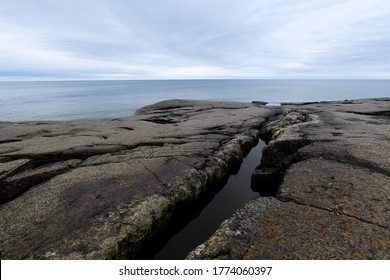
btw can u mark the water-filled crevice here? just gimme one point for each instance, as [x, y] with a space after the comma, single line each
[280, 152]
[277, 157]
[198, 220]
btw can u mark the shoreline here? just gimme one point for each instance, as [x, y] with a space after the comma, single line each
[62, 102]
[104, 189]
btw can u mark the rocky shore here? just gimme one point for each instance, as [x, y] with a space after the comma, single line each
[326, 172]
[105, 189]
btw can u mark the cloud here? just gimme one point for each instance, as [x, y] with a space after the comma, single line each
[325, 29]
[151, 39]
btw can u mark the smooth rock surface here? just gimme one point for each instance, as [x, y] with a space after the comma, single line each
[332, 199]
[102, 189]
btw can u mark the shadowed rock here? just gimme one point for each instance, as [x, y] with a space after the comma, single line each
[11, 186]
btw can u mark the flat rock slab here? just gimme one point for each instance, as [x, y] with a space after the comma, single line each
[102, 189]
[339, 188]
[268, 228]
[330, 164]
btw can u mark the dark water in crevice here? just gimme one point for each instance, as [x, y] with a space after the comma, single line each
[234, 194]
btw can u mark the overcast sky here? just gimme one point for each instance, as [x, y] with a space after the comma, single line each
[181, 39]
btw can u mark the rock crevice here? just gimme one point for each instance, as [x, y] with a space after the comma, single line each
[331, 174]
[108, 190]
[283, 144]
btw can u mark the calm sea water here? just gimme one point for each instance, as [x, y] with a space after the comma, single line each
[23, 101]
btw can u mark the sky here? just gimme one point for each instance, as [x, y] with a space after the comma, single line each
[194, 39]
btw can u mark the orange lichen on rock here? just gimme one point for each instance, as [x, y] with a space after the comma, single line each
[274, 227]
[376, 240]
[347, 223]
[356, 255]
[324, 227]
[273, 237]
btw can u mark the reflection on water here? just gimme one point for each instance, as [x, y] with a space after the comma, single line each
[232, 196]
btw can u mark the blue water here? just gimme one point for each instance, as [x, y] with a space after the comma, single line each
[65, 100]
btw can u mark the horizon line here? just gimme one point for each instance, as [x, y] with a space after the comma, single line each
[184, 79]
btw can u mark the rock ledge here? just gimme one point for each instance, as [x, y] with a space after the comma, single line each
[103, 189]
[327, 171]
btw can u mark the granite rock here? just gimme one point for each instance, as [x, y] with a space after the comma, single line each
[327, 168]
[268, 228]
[103, 189]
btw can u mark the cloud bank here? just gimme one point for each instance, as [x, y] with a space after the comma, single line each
[172, 39]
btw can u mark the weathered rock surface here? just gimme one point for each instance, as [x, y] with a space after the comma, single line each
[328, 167]
[91, 189]
[268, 228]
[102, 189]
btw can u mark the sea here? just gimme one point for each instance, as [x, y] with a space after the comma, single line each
[69, 100]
